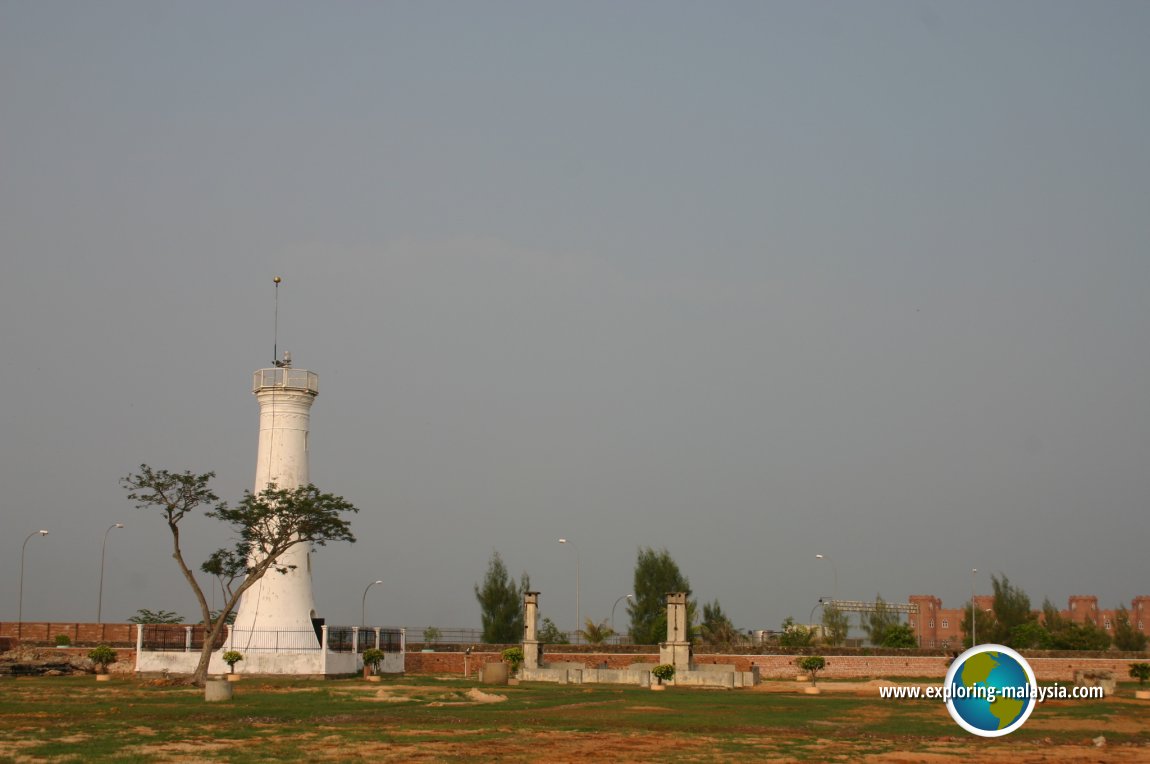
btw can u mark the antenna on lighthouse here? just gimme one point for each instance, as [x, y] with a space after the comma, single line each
[276, 325]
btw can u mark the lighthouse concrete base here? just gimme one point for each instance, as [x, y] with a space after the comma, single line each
[310, 664]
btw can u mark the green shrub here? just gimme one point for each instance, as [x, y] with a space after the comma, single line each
[663, 672]
[63, 640]
[514, 657]
[102, 656]
[1141, 672]
[232, 657]
[372, 657]
[812, 664]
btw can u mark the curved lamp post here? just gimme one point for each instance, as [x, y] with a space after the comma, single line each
[363, 604]
[20, 606]
[835, 570]
[811, 617]
[103, 549]
[578, 609]
[624, 597]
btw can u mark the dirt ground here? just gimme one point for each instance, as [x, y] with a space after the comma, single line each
[563, 747]
[821, 740]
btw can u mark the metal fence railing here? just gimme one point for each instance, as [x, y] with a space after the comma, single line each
[390, 640]
[176, 638]
[271, 641]
[450, 636]
[340, 639]
[461, 636]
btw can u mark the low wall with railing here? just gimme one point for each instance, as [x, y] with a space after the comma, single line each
[332, 651]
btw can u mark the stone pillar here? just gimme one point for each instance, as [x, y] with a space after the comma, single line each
[677, 649]
[530, 637]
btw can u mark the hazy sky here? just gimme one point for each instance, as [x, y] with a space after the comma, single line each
[748, 281]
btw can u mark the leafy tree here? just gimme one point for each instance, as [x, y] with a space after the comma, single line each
[899, 635]
[232, 657]
[1010, 610]
[1141, 672]
[656, 574]
[549, 634]
[596, 633]
[229, 619]
[813, 664]
[102, 656]
[227, 568]
[1064, 634]
[1080, 636]
[664, 672]
[266, 525]
[836, 624]
[795, 635]
[373, 657]
[967, 638]
[1032, 635]
[501, 603]
[716, 628]
[513, 656]
[879, 621]
[1126, 637]
[143, 615]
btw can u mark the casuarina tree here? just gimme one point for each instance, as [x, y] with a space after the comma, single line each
[656, 575]
[501, 603]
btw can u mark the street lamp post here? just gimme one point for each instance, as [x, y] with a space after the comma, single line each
[973, 609]
[20, 605]
[578, 609]
[103, 549]
[624, 597]
[363, 604]
[835, 571]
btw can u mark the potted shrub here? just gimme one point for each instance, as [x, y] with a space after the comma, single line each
[102, 656]
[372, 658]
[1141, 672]
[63, 640]
[232, 657]
[812, 665]
[664, 672]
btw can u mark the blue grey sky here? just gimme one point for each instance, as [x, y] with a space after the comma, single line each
[748, 281]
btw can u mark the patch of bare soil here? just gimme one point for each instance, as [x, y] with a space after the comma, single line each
[1017, 754]
[1092, 726]
[551, 747]
[479, 696]
[185, 752]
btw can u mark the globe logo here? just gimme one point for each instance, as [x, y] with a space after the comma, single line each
[990, 690]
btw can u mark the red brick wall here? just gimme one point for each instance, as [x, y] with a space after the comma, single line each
[42, 633]
[783, 666]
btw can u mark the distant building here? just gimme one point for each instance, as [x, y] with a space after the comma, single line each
[936, 626]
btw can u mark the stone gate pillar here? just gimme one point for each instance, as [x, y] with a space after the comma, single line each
[677, 649]
[530, 640]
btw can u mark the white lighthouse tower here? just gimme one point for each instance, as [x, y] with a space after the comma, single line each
[277, 611]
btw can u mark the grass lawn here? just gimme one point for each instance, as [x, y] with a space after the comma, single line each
[441, 719]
